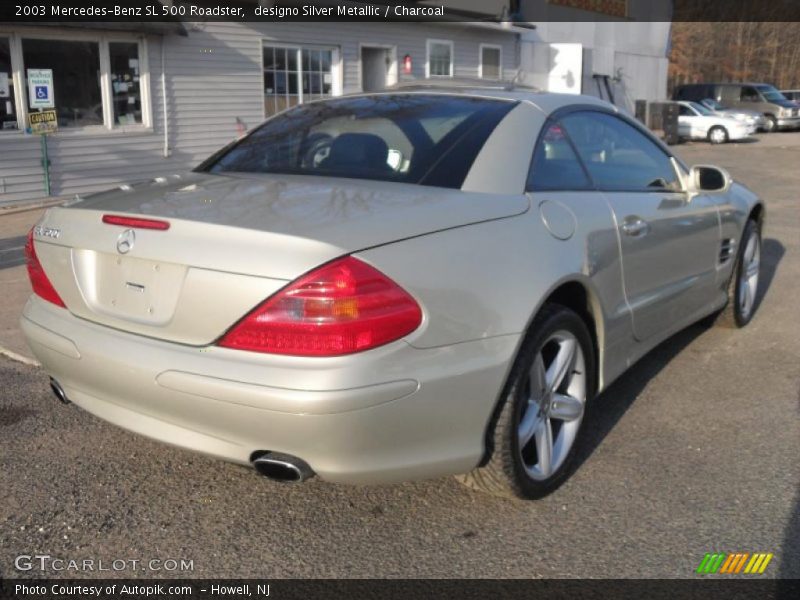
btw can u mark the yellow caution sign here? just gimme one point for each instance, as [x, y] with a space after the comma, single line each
[43, 122]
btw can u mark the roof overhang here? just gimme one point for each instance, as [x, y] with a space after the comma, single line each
[503, 26]
[147, 27]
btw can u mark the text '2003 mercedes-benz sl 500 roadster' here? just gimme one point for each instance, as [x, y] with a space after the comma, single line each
[391, 286]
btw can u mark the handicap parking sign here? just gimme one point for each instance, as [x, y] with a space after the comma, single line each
[40, 88]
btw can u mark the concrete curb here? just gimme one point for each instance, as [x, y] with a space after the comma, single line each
[19, 358]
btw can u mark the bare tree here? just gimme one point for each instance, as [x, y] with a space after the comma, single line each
[767, 51]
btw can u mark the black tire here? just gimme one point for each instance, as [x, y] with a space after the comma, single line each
[504, 473]
[772, 124]
[713, 139]
[733, 315]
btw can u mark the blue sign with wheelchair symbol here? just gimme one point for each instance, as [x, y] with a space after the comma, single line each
[40, 88]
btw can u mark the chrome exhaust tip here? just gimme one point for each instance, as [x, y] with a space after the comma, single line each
[59, 391]
[282, 467]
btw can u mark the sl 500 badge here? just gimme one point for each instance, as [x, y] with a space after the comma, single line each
[48, 232]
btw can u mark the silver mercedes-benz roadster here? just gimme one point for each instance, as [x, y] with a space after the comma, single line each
[391, 286]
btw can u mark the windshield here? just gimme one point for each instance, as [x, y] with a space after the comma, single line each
[712, 104]
[770, 93]
[700, 108]
[430, 139]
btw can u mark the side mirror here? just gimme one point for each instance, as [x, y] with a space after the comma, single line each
[706, 178]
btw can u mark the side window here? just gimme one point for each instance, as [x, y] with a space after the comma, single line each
[555, 165]
[685, 111]
[728, 94]
[618, 156]
[749, 94]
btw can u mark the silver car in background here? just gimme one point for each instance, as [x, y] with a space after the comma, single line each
[391, 286]
[696, 122]
[749, 117]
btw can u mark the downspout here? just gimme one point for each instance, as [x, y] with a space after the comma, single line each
[164, 94]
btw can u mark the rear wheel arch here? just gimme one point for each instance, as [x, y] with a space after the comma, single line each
[582, 300]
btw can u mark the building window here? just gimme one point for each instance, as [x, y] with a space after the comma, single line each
[76, 78]
[491, 61]
[293, 75]
[8, 113]
[126, 96]
[99, 81]
[440, 58]
[317, 73]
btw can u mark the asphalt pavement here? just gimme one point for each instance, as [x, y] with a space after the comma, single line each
[694, 450]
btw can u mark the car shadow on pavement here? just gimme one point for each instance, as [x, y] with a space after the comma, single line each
[772, 252]
[790, 557]
[615, 401]
[612, 404]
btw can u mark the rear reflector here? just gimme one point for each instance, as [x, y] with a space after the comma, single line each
[39, 282]
[136, 222]
[343, 307]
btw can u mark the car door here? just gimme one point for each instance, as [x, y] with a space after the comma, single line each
[751, 99]
[690, 124]
[668, 239]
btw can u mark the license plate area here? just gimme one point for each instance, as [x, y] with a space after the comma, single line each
[128, 288]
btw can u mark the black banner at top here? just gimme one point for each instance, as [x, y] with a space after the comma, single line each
[508, 13]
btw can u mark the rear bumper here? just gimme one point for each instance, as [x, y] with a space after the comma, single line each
[391, 414]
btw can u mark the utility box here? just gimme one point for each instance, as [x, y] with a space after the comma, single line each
[659, 117]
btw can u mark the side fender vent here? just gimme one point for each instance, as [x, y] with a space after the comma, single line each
[727, 250]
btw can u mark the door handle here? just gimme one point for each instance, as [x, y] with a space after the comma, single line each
[635, 226]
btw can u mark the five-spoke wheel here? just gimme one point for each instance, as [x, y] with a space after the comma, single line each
[556, 391]
[535, 433]
[743, 286]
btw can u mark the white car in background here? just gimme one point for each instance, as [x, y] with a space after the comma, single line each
[750, 117]
[696, 122]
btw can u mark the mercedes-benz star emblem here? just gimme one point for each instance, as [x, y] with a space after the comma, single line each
[125, 241]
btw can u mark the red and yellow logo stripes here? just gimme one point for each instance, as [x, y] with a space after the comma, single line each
[734, 563]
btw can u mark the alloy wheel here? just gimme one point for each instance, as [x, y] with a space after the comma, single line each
[556, 400]
[718, 136]
[748, 279]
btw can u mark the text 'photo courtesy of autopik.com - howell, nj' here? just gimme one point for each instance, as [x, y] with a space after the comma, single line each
[419, 299]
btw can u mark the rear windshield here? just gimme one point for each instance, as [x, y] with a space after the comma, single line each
[410, 138]
[712, 104]
[700, 108]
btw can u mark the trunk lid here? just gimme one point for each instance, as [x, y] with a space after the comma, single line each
[232, 242]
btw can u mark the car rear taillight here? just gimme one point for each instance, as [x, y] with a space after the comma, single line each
[39, 282]
[340, 308]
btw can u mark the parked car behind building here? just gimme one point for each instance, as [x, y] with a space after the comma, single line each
[696, 122]
[781, 113]
[750, 117]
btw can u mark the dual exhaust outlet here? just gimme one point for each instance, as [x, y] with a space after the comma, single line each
[272, 465]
